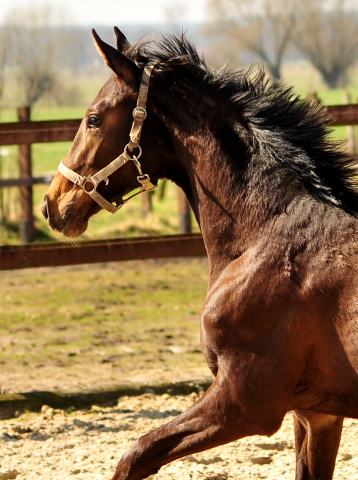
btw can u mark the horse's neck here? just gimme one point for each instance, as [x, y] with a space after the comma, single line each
[223, 186]
[215, 200]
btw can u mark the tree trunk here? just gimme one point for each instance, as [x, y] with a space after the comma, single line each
[184, 213]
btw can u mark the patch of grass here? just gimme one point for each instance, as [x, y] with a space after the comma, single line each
[47, 156]
[306, 80]
[104, 323]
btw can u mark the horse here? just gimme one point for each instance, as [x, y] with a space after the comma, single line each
[277, 204]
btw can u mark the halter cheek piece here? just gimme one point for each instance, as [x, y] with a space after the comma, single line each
[90, 184]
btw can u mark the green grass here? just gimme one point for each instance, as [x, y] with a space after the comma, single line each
[45, 113]
[305, 81]
[101, 323]
[47, 156]
[88, 88]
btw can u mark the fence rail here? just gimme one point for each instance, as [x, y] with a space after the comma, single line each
[53, 254]
[38, 132]
[343, 114]
[65, 130]
[25, 182]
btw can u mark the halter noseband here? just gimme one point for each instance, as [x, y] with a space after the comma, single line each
[90, 184]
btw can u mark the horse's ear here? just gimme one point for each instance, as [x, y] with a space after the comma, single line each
[124, 68]
[122, 43]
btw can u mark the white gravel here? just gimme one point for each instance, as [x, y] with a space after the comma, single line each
[56, 445]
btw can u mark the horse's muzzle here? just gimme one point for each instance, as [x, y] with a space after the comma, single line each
[65, 220]
[56, 225]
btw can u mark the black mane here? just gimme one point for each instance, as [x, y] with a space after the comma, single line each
[289, 129]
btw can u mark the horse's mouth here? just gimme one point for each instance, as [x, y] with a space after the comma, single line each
[70, 224]
[73, 228]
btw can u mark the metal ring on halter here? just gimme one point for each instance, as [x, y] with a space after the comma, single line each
[126, 149]
[90, 181]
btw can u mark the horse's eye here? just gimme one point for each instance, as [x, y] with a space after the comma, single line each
[93, 121]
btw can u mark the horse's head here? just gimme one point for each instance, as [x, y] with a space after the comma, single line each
[104, 163]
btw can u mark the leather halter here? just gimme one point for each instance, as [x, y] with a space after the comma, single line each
[89, 184]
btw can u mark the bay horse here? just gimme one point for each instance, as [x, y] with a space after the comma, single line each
[277, 205]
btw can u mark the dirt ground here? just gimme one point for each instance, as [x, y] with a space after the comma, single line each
[88, 444]
[54, 343]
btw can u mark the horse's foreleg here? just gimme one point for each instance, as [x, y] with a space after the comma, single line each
[215, 419]
[317, 438]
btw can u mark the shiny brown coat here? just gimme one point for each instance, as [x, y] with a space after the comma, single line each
[277, 207]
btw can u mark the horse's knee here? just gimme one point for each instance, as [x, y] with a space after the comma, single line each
[244, 414]
[264, 422]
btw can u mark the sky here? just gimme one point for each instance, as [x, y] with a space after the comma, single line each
[117, 12]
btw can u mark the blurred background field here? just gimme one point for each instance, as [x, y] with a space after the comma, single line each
[129, 221]
[48, 62]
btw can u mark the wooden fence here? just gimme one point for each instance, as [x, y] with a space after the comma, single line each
[25, 133]
[54, 254]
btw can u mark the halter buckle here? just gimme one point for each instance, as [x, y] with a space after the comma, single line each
[147, 185]
[140, 113]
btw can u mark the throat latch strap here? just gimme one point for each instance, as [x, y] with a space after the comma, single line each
[89, 184]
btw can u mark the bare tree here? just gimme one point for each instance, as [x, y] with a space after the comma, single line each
[38, 37]
[5, 48]
[261, 27]
[327, 34]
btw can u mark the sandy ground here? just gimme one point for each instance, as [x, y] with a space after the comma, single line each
[55, 445]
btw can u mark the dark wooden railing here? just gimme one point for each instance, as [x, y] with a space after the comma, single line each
[54, 254]
[27, 132]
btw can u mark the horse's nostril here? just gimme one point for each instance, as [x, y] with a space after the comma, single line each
[44, 209]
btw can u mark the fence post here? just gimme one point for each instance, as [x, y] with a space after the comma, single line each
[350, 128]
[147, 206]
[27, 229]
[184, 213]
